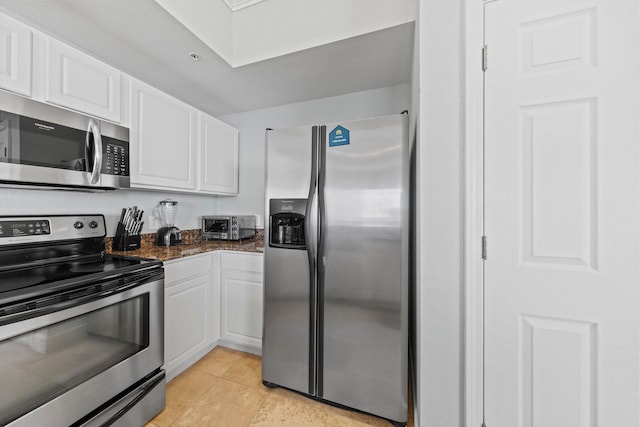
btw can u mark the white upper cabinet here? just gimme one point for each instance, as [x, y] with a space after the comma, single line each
[15, 56]
[218, 156]
[173, 146]
[80, 82]
[163, 137]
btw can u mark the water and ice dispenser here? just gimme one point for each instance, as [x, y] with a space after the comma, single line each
[286, 218]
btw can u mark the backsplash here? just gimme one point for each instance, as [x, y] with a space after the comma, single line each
[189, 237]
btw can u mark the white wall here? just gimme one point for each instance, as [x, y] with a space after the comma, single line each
[252, 125]
[38, 202]
[440, 210]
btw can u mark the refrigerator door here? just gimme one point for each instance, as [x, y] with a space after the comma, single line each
[288, 339]
[363, 265]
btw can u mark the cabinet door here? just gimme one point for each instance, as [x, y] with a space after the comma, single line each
[15, 56]
[80, 82]
[163, 140]
[219, 156]
[187, 322]
[241, 307]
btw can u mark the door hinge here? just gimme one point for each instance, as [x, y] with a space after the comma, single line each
[484, 57]
[484, 247]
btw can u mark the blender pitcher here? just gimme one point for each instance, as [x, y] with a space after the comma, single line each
[169, 234]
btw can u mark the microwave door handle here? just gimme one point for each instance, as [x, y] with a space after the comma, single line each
[97, 150]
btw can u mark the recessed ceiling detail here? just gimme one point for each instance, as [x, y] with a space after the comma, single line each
[149, 43]
[240, 4]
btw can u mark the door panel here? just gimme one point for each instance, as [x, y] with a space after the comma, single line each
[288, 163]
[562, 202]
[241, 297]
[558, 183]
[286, 340]
[364, 357]
[82, 83]
[219, 156]
[163, 140]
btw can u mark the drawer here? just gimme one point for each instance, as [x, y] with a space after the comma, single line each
[249, 262]
[186, 268]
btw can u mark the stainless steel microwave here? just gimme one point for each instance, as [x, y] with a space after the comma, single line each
[46, 146]
[228, 227]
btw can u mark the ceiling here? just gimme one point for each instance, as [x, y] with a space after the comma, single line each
[240, 4]
[143, 40]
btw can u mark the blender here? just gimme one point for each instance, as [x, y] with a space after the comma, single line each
[168, 234]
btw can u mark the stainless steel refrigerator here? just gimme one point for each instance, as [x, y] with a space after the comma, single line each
[336, 263]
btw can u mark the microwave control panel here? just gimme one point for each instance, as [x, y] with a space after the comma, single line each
[115, 157]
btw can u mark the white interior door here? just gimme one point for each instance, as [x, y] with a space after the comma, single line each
[562, 214]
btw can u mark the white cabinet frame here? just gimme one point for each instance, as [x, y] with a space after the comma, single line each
[15, 58]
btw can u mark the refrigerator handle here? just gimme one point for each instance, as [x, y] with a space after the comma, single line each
[311, 236]
[320, 260]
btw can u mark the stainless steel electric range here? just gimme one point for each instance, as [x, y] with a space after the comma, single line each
[81, 331]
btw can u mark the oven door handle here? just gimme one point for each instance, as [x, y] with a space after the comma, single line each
[63, 301]
[139, 395]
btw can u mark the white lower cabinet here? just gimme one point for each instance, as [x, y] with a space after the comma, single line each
[209, 299]
[241, 299]
[190, 312]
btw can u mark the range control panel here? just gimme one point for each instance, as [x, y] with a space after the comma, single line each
[25, 229]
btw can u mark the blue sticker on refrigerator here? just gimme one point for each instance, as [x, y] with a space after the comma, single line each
[339, 136]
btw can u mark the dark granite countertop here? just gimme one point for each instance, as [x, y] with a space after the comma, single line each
[192, 245]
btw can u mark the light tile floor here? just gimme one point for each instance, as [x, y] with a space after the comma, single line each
[225, 388]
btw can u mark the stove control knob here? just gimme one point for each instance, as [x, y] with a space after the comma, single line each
[93, 224]
[78, 225]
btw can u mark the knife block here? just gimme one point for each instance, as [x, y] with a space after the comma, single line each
[123, 241]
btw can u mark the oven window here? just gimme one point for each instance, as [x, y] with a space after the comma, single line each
[44, 363]
[217, 226]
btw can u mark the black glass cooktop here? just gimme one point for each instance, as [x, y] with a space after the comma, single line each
[40, 273]
[59, 255]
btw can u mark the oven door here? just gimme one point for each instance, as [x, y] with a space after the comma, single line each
[216, 228]
[216, 225]
[58, 366]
